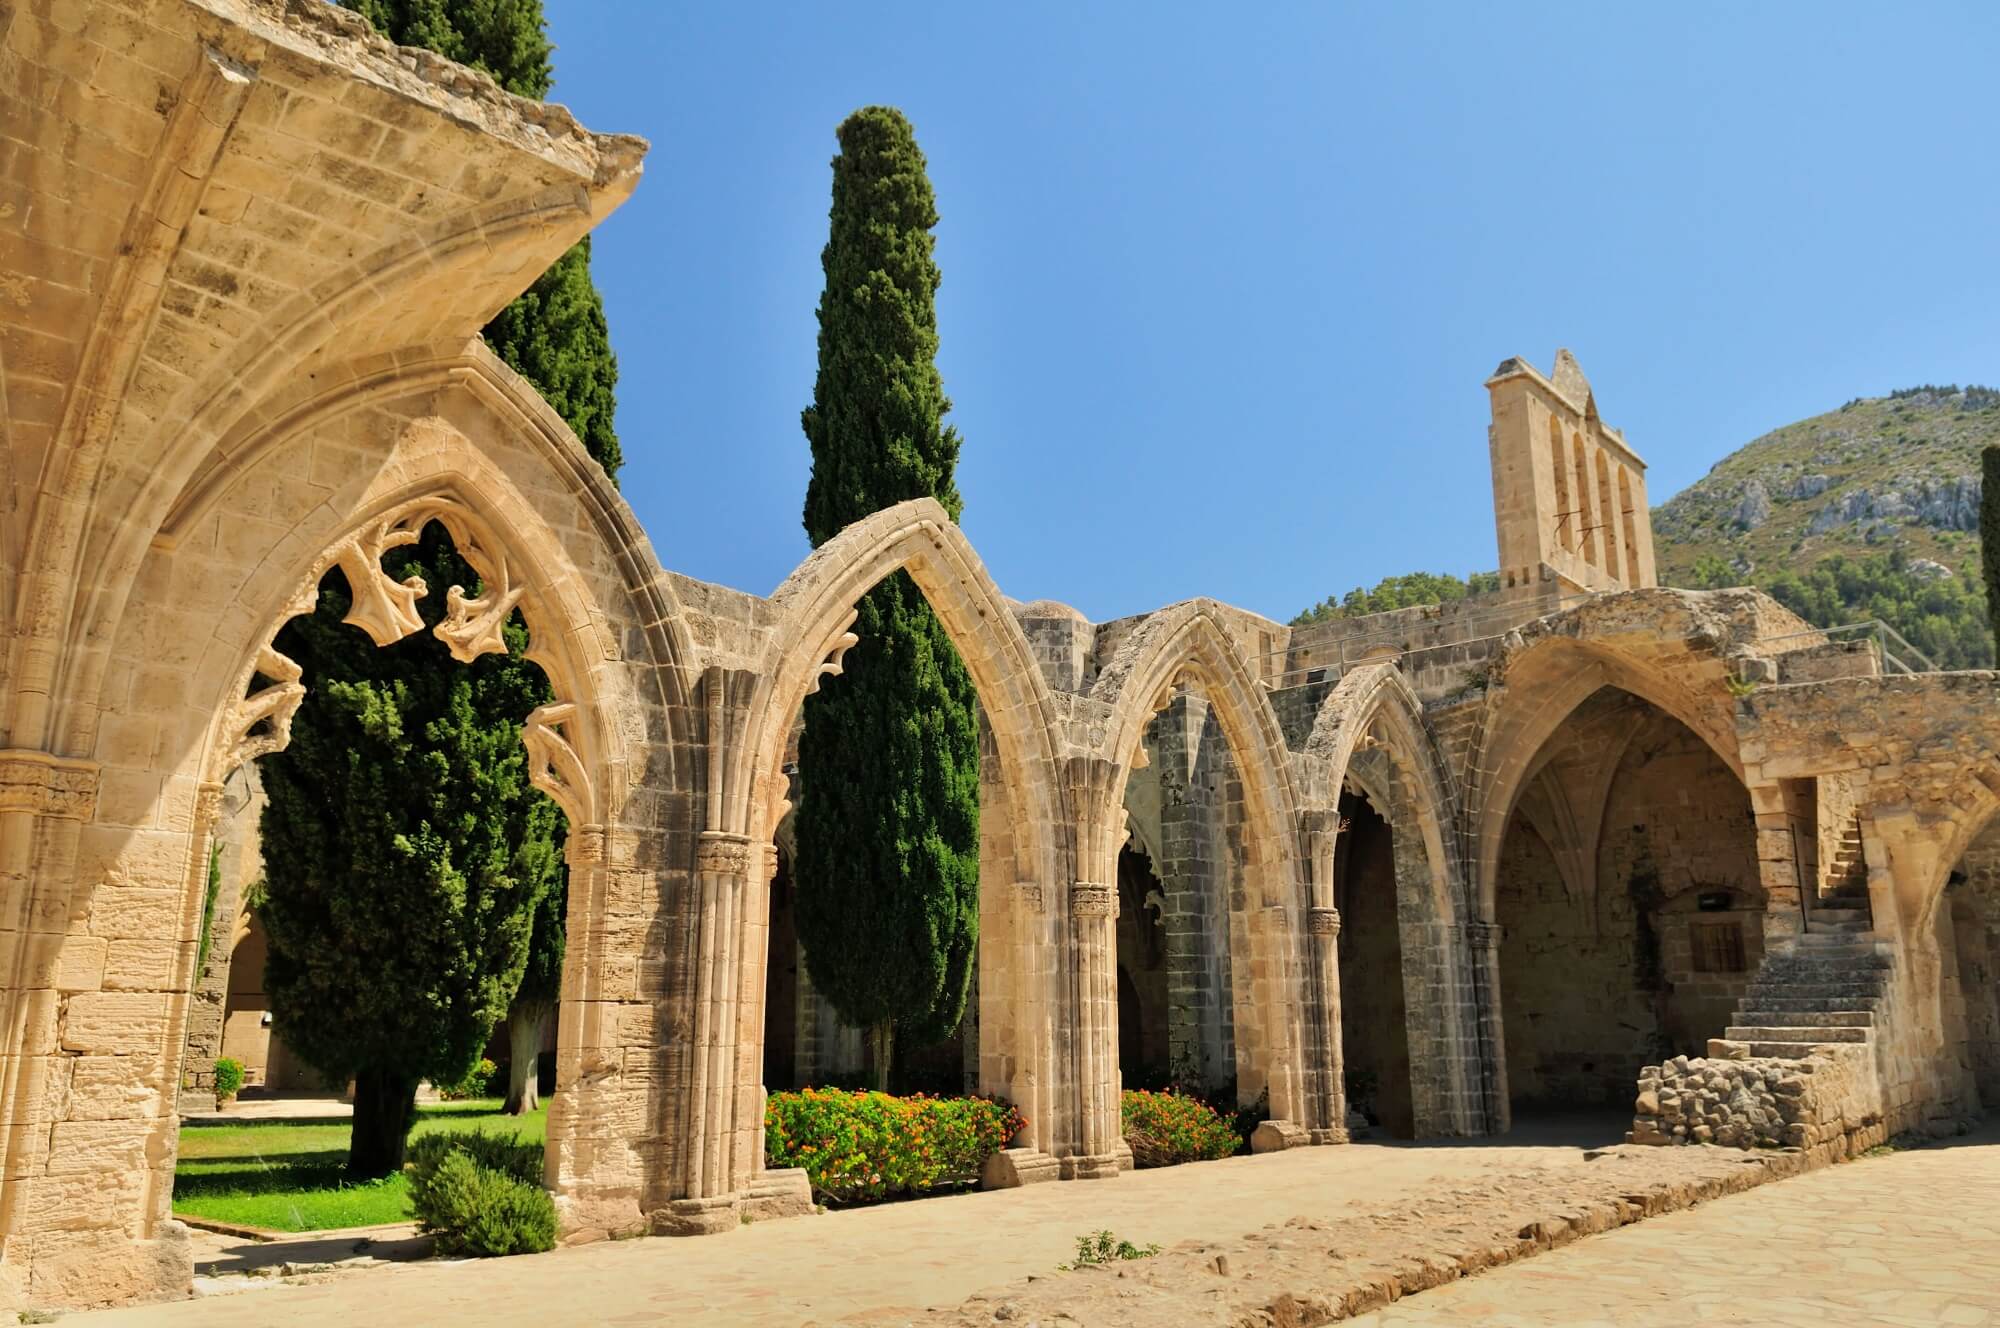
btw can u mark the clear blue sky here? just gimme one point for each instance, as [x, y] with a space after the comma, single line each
[1221, 283]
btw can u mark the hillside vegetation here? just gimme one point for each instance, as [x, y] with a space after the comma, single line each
[1867, 512]
[1870, 511]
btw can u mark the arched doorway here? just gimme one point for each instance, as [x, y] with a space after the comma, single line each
[1630, 903]
[1374, 1012]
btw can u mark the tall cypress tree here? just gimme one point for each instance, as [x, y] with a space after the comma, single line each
[554, 335]
[407, 858]
[1989, 533]
[404, 852]
[888, 819]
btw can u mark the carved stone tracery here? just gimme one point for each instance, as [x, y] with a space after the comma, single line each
[261, 723]
[554, 765]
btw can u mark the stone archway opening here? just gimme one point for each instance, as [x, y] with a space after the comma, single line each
[1630, 904]
[1971, 909]
[453, 621]
[1183, 929]
[1374, 1013]
[1145, 1012]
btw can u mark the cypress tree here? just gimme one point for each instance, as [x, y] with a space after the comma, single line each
[404, 852]
[407, 857]
[1989, 533]
[554, 334]
[888, 819]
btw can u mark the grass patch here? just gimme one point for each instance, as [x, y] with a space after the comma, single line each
[288, 1176]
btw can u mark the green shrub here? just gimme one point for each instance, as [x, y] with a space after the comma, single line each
[482, 1080]
[1105, 1247]
[228, 1076]
[480, 1193]
[1168, 1128]
[857, 1146]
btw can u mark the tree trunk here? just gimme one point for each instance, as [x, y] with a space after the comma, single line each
[385, 1105]
[881, 1041]
[525, 1024]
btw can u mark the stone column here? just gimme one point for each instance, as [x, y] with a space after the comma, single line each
[601, 1165]
[1323, 934]
[1093, 923]
[1483, 941]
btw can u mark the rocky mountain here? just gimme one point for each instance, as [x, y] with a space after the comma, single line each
[1880, 473]
[1868, 511]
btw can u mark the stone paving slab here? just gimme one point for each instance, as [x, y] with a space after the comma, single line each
[825, 1268]
[1304, 1270]
[1911, 1239]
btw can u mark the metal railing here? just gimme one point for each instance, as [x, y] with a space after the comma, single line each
[1891, 647]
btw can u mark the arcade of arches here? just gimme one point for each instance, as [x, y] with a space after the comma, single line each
[1417, 871]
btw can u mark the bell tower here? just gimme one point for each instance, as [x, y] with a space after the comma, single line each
[1569, 495]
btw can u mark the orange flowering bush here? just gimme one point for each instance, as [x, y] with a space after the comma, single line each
[1169, 1127]
[859, 1145]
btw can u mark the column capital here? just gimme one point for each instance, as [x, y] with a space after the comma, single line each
[50, 785]
[1090, 900]
[1485, 935]
[724, 854]
[1323, 921]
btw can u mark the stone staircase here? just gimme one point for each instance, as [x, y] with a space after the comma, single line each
[1824, 986]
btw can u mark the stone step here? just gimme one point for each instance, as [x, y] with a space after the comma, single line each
[1823, 995]
[1816, 1004]
[1828, 917]
[1824, 944]
[1771, 1033]
[1758, 1016]
[1811, 963]
[1728, 1049]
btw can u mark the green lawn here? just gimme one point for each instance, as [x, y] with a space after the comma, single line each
[287, 1177]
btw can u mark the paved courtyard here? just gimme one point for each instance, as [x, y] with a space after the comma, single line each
[1908, 1239]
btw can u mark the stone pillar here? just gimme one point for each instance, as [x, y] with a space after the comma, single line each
[1483, 942]
[97, 941]
[605, 1164]
[1093, 924]
[1323, 934]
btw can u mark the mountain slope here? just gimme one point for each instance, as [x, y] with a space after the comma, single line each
[1869, 511]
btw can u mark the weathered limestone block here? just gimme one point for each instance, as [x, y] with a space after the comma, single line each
[1011, 1168]
[1274, 1136]
[780, 1192]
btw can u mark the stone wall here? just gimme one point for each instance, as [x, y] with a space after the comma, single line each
[1827, 1103]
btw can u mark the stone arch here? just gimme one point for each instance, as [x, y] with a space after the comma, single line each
[178, 714]
[1275, 1018]
[750, 713]
[1375, 706]
[814, 608]
[309, 338]
[1535, 691]
[1370, 731]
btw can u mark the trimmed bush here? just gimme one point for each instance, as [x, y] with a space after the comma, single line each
[228, 1077]
[1169, 1128]
[480, 1193]
[861, 1146]
[482, 1080]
